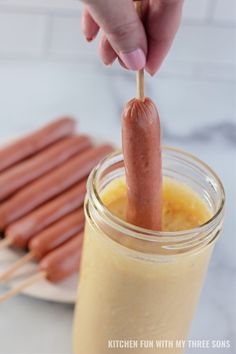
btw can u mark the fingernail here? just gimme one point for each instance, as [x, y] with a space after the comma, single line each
[134, 60]
[89, 39]
[109, 62]
[150, 72]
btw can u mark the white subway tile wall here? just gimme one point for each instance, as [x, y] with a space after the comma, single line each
[50, 30]
[204, 44]
[225, 11]
[42, 4]
[67, 40]
[21, 35]
[195, 10]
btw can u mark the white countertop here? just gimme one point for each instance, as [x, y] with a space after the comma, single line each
[198, 115]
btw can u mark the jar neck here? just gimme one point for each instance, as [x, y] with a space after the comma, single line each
[181, 167]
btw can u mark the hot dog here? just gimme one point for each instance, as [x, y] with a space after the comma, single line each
[142, 158]
[57, 234]
[32, 143]
[51, 185]
[64, 261]
[21, 231]
[25, 172]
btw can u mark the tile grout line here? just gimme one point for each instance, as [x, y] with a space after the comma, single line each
[40, 10]
[77, 12]
[47, 41]
[213, 23]
[211, 10]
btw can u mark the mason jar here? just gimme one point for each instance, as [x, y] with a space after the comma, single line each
[139, 288]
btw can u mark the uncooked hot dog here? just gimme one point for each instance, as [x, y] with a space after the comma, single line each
[58, 233]
[29, 170]
[32, 143]
[21, 231]
[51, 185]
[64, 261]
[142, 157]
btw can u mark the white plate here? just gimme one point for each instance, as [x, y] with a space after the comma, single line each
[64, 292]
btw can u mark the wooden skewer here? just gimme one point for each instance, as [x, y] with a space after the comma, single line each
[138, 6]
[140, 85]
[5, 243]
[25, 284]
[140, 73]
[16, 266]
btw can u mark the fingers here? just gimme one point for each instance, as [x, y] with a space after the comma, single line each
[162, 23]
[106, 51]
[89, 27]
[125, 35]
[123, 29]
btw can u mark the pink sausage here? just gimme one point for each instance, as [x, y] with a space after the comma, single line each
[142, 158]
[51, 185]
[64, 261]
[56, 234]
[21, 231]
[27, 171]
[34, 142]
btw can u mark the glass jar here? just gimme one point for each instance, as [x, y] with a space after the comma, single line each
[139, 288]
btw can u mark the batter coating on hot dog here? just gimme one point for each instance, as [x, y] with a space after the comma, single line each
[142, 157]
[34, 142]
[51, 185]
[58, 233]
[21, 231]
[64, 261]
[27, 171]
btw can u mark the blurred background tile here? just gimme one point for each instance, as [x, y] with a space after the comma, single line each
[42, 4]
[21, 35]
[225, 12]
[195, 10]
[204, 43]
[67, 40]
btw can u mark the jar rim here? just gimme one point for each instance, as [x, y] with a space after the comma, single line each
[153, 235]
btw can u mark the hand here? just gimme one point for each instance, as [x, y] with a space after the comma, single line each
[137, 44]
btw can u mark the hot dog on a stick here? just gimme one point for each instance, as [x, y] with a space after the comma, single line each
[56, 266]
[27, 171]
[51, 185]
[64, 261]
[21, 231]
[48, 240]
[142, 157]
[57, 234]
[34, 142]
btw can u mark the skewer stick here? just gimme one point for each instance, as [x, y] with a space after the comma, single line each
[25, 284]
[140, 85]
[5, 243]
[140, 73]
[16, 266]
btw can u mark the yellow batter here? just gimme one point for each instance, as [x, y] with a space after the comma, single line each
[126, 297]
[183, 209]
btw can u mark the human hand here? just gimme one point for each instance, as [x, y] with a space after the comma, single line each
[137, 44]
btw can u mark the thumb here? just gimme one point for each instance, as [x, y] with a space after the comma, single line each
[123, 29]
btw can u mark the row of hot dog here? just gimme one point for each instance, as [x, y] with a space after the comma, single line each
[42, 189]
